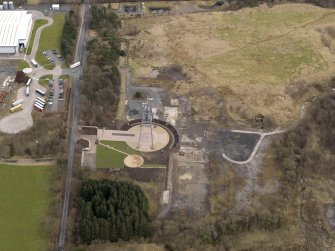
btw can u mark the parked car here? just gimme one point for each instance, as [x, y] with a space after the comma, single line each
[50, 100]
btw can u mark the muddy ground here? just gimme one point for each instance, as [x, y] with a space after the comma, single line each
[190, 184]
[7, 68]
[237, 146]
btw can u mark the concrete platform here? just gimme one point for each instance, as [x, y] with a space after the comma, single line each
[159, 139]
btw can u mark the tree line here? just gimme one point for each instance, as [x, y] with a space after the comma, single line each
[68, 39]
[302, 151]
[101, 80]
[112, 210]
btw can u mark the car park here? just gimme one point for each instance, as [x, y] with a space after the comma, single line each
[54, 52]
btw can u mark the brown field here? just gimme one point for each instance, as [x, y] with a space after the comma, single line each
[252, 58]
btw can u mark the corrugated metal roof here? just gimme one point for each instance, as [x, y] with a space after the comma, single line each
[13, 26]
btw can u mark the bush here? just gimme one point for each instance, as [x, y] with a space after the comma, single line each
[45, 137]
[68, 40]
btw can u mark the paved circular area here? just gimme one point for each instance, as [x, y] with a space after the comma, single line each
[160, 138]
[133, 161]
[14, 123]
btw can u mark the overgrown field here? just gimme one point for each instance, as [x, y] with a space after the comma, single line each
[25, 197]
[251, 58]
[45, 138]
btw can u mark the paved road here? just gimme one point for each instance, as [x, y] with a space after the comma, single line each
[80, 56]
[262, 135]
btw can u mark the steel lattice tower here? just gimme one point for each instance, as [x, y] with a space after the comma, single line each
[147, 119]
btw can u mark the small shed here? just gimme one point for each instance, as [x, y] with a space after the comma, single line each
[55, 7]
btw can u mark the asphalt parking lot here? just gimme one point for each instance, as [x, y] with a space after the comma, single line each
[21, 120]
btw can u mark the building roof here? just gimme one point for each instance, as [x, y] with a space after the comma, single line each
[14, 25]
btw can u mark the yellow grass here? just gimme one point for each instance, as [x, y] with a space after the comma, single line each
[248, 57]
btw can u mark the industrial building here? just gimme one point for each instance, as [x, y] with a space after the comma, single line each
[15, 27]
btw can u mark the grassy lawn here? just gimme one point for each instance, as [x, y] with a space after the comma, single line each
[64, 76]
[108, 158]
[38, 23]
[25, 197]
[42, 80]
[50, 40]
[23, 64]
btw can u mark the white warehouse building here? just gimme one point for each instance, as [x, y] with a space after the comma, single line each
[15, 27]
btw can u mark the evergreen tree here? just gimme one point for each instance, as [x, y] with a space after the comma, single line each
[112, 210]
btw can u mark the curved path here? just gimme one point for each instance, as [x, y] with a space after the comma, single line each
[262, 135]
[37, 15]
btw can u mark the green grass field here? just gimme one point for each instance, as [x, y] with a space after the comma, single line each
[24, 200]
[42, 81]
[50, 40]
[108, 158]
[23, 64]
[37, 24]
[64, 76]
